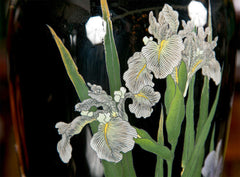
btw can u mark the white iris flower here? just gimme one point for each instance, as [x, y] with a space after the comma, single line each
[199, 53]
[115, 134]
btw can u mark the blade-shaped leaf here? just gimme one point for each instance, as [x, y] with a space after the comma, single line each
[160, 138]
[72, 71]
[191, 167]
[204, 102]
[209, 21]
[202, 153]
[182, 77]
[212, 143]
[71, 68]
[189, 131]
[175, 117]
[203, 114]
[169, 93]
[111, 55]
[147, 143]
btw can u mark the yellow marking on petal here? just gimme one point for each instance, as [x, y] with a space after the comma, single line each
[114, 114]
[141, 95]
[176, 69]
[105, 134]
[141, 71]
[162, 45]
[194, 67]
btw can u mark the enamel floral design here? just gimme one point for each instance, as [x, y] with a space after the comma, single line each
[143, 102]
[158, 57]
[112, 138]
[115, 134]
[166, 51]
[165, 54]
[138, 75]
[199, 53]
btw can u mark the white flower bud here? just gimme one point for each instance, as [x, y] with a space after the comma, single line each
[198, 13]
[96, 29]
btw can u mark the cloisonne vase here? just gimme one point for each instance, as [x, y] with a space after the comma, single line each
[42, 93]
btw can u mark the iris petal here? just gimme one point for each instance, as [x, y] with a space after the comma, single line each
[166, 25]
[143, 102]
[213, 163]
[199, 53]
[113, 138]
[161, 59]
[171, 17]
[154, 26]
[67, 131]
[98, 94]
[212, 70]
[137, 76]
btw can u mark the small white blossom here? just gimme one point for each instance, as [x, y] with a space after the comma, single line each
[96, 29]
[147, 39]
[119, 94]
[198, 13]
[103, 117]
[87, 113]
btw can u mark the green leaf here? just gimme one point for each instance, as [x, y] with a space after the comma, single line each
[203, 110]
[72, 71]
[169, 93]
[202, 154]
[175, 117]
[209, 21]
[191, 166]
[71, 68]
[147, 143]
[143, 134]
[189, 131]
[160, 138]
[212, 143]
[125, 167]
[120, 169]
[115, 169]
[111, 55]
[182, 77]
[160, 135]
[159, 171]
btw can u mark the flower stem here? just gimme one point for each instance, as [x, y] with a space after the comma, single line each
[170, 161]
[169, 164]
